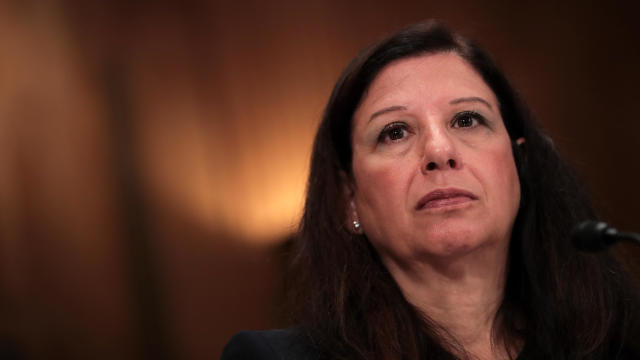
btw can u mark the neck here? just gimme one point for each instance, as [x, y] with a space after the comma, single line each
[460, 294]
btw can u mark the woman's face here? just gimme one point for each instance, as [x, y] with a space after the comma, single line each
[433, 170]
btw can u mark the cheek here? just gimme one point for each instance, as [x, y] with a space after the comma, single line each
[504, 181]
[381, 188]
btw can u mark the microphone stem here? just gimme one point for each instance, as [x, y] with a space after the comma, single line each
[629, 236]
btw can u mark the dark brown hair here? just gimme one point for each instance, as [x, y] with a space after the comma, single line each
[560, 303]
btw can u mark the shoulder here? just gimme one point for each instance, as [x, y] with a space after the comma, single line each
[280, 344]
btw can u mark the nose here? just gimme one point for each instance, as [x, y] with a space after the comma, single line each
[439, 152]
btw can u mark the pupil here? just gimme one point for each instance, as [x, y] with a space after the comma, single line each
[464, 122]
[395, 134]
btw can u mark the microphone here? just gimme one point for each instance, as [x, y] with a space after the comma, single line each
[594, 236]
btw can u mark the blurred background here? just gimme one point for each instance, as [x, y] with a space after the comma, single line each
[153, 155]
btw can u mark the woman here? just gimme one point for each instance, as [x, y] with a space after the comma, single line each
[437, 224]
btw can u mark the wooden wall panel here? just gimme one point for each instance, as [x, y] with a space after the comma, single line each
[174, 139]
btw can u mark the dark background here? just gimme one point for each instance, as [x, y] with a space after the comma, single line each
[153, 156]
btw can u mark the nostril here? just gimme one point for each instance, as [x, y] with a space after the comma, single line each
[431, 166]
[452, 163]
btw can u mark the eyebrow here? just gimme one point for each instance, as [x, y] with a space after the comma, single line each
[452, 102]
[387, 110]
[470, 99]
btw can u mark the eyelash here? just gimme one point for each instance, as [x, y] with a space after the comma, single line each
[466, 115]
[386, 132]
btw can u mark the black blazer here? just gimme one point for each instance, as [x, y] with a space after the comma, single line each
[281, 344]
[286, 344]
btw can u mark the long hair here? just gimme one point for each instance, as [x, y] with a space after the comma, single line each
[560, 303]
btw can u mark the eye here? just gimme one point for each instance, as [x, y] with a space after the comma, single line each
[467, 119]
[393, 132]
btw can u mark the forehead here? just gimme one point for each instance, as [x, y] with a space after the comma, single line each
[431, 77]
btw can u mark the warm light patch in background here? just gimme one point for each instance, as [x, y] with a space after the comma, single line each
[239, 169]
[221, 139]
[252, 189]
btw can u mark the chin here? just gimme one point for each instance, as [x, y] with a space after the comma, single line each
[451, 243]
[452, 248]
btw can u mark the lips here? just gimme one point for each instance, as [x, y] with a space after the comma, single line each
[440, 198]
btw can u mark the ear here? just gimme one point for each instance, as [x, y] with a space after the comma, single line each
[352, 221]
[520, 141]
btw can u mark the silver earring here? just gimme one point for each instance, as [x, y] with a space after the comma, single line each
[356, 225]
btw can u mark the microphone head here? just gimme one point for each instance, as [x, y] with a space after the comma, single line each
[592, 236]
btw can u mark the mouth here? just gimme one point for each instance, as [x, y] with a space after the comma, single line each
[443, 198]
